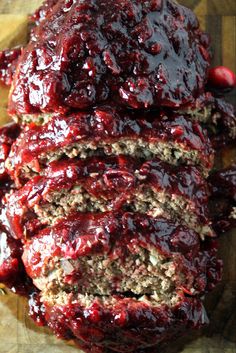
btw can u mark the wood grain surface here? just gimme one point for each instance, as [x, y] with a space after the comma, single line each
[18, 334]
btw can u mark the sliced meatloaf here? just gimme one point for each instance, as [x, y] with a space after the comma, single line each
[174, 139]
[110, 272]
[101, 184]
[123, 324]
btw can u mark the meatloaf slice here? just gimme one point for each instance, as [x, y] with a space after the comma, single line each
[100, 184]
[102, 275]
[174, 139]
[217, 115]
[124, 325]
[109, 253]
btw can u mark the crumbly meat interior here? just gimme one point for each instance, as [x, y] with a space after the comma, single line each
[199, 114]
[172, 153]
[145, 276]
[147, 200]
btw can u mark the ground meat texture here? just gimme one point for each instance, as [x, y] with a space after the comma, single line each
[97, 254]
[110, 183]
[175, 139]
[217, 115]
[105, 309]
[140, 54]
[8, 64]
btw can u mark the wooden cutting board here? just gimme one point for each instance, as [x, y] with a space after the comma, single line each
[18, 333]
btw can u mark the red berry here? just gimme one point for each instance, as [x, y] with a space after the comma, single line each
[177, 131]
[221, 78]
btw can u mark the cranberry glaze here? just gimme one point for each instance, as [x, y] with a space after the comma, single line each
[108, 70]
[106, 125]
[115, 179]
[156, 325]
[140, 54]
[8, 135]
[116, 234]
[127, 324]
[8, 64]
[223, 199]
[12, 270]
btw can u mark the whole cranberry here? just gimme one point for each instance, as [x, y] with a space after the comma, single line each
[221, 79]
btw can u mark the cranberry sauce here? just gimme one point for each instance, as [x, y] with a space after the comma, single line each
[222, 126]
[84, 234]
[126, 326]
[184, 181]
[36, 308]
[114, 179]
[106, 125]
[115, 235]
[12, 271]
[139, 54]
[223, 199]
[8, 134]
[43, 11]
[8, 63]
[220, 120]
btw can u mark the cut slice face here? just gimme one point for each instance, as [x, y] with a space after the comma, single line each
[175, 140]
[119, 270]
[112, 253]
[101, 184]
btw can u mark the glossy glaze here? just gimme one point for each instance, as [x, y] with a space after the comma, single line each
[108, 125]
[115, 235]
[222, 126]
[8, 135]
[114, 179]
[8, 64]
[127, 327]
[42, 12]
[223, 198]
[138, 53]
[12, 271]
